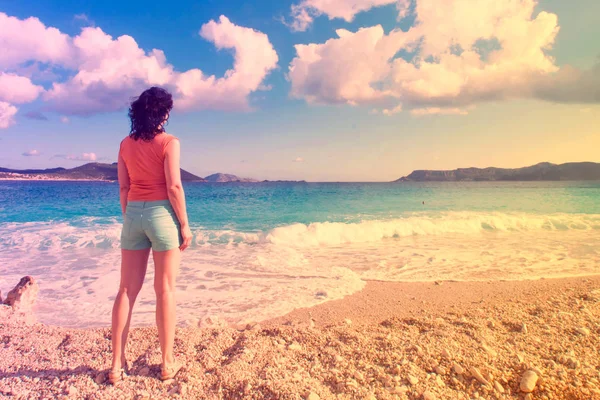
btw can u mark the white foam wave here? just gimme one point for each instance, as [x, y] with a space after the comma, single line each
[105, 233]
[252, 276]
[336, 233]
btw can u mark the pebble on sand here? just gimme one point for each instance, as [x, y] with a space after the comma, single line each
[498, 387]
[477, 375]
[583, 331]
[413, 380]
[458, 369]
[440, 370]
[427, 395]
[528, 381]
[313, 396]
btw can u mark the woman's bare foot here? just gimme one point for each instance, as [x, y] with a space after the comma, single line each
[170, 371]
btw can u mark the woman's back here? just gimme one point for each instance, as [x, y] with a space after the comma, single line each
[145, 164]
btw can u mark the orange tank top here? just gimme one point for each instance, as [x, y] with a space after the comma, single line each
[145, 161]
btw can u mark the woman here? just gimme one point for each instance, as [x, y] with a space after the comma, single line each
[154, 215]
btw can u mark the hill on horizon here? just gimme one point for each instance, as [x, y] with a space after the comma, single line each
[219, 177]
[89, 171]
[544, 171]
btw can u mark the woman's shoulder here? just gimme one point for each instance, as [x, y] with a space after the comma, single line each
[168, 138]
[125, 141]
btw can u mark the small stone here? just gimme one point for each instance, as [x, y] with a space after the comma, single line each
[313, 396]
[491, 352]
[439, 381]
[427, 395]
[491, 324]
[348, 321]
[528, 381]
[36, 379]
[143, 395]
[145, 371]
[418, 349]
[446, 354]
[528, 396]
[458, 369]
[413, 380]
[498, 387]
[523, 328]
[440, 370]
[477, 375]
[100, 378]
[351, 383]
[173, 390]
[583, 331]
[295, 346]
[72, 391]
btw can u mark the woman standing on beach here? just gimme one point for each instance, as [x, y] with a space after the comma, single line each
[154, 217]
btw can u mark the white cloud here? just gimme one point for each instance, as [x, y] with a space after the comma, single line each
[7, 114]
[86, 157]
[254, 58]
[18, 89]
[298, 159]
[304, 13]
[81, 157]
[439, 111]
[31, 153]
[84, 19]
[106, 72]
[30, 40]
[343, 70]
[455, 55]
[395, 110]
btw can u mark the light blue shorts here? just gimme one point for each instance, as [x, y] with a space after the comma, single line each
[150, 224]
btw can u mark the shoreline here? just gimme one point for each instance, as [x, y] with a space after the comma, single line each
[390, 340]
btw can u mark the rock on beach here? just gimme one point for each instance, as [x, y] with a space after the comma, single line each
[24, 295]
[528, 381]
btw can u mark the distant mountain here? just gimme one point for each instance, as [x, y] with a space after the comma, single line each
[584, 171]
[90, 171]
[218, 177]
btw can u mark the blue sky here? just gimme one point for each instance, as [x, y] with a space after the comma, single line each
[325, 122]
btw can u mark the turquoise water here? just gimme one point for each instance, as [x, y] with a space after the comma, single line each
[260, 206]
[263, 249]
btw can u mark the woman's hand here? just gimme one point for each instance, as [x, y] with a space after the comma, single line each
[186, 234]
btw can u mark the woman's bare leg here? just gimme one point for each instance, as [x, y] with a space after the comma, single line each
[166, 265]
[133, 271]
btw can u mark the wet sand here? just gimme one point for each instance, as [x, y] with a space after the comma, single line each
[453, 340]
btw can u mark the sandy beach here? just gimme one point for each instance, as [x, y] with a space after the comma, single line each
[445, 340]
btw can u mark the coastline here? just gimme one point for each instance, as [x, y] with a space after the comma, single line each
[55, 180]
[454, 340]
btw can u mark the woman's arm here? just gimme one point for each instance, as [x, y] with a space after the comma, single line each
[175, 189]
[123, 176]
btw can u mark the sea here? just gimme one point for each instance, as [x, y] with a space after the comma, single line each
[261, 250]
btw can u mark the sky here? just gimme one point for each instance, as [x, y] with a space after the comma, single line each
[321, 90]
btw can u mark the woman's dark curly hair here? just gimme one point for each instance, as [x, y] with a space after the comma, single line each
[148, 112]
